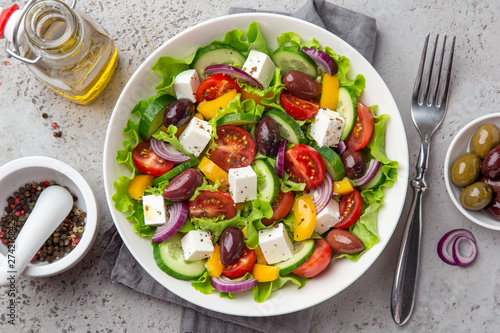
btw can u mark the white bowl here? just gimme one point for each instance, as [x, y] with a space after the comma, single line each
[17, 173]
[338, 276]
[459, 146]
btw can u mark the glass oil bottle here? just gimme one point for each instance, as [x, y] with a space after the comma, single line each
[66, 49]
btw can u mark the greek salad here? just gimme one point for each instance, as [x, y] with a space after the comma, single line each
[252, 167]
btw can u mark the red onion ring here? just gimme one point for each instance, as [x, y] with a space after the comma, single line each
[280, 159]
[449, 243]
[341, 147]
[235, 73]
[178, 214]
[167, 151]
[227, 285]
[322, 194]
[322, 59]
[370, 172]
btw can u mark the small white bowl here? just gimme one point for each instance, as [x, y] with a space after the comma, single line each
[459, 146]
[17, 173]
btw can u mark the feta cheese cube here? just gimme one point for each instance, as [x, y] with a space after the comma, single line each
[275, 244]
[328, 217]
[196, 136]
[197, 245]
[260, 66]
[327, 128]
[186, 83]
[154, 210]
[242, 184]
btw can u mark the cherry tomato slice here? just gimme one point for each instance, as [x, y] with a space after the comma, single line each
[241, 266]
[215, 86]
[146, 160]
[281, 207]
[304, 165]
[351, 206]
[297, 108]
[317, 262]
[235, 148]
[362, 132]
[212, 204]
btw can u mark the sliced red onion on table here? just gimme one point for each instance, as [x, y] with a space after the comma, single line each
[341, 147]
[178, 214]
[235, 73]
[322, 194]
[370, 172]
[280, 159]
[322, 59]
[227, 285]
[167, 151]
[448, 248]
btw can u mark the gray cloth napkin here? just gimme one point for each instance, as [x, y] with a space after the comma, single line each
[119, 265]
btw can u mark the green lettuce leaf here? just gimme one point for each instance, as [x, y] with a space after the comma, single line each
[203, 284]
[263, 290]
[168, 68]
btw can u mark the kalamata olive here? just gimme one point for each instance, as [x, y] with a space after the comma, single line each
[231, 245]
[267, 136]
[476, 196]
[344, 242]
[494, 184]
[183, 185]
[465, 169]
[493, 209]
[484, 139]
[178, 113]
[490, 167]
[301, 85]
[354, 163]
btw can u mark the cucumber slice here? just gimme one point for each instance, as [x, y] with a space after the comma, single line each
[348, 109]
[176, 171]
[333, 162]
[269, 187]
[288, 127]
[375, 182]
[301, 252]
[170, 258]
[238, 119]
[290, 58]
[152, 117]
[216, 54]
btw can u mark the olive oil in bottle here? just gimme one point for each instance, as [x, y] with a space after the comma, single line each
[66, 49]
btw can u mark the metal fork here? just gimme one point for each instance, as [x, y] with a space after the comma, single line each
[428, 107]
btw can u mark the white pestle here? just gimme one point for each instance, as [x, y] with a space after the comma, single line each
[52, 207]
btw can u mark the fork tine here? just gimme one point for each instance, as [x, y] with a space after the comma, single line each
[418, 80]
[437, 81]
[446, 90]
[427, 95]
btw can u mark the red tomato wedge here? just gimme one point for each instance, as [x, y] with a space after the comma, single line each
[304, 165]
[317, 262]
[362, 132]
[297, 108]
[241, 266]
[215, 86]
[351, 206]
[235, 148]
[212, 204]
[146, 160]
[281, 207]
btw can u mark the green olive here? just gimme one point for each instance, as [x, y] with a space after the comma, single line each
[465, 169]
[476, 196]
[484, 139]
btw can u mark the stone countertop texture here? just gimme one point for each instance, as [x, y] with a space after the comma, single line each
[449, 298]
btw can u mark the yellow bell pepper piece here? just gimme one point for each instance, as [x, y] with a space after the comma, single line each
[209, 108]
[305, 218]
[330, 92]
[265, 273]
[257, 99]
[260, 256]
[214, 264]
[138, 185]
[342, 187]
[213, 172]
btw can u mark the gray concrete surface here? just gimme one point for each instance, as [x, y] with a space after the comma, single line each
[449, 298]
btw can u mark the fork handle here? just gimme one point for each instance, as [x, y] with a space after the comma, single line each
[405, 278]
